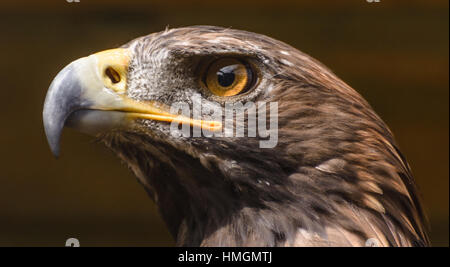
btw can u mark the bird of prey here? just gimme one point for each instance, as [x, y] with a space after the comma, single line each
[335, 176]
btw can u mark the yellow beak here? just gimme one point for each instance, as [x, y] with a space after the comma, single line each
[89, 94]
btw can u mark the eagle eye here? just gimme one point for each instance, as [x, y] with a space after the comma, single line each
[228, 77]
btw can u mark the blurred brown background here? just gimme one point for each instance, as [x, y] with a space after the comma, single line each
[395, 54]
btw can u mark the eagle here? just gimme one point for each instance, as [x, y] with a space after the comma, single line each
[333, 176]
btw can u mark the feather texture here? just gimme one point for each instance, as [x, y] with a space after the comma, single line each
[335, 178]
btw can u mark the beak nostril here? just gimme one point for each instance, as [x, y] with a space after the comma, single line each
[113, 75]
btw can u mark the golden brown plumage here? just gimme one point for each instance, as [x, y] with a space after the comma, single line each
[335, 177]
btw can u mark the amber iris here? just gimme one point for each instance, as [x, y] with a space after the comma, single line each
[228, 77]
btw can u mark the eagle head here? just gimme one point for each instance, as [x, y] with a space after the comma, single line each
[242, 140]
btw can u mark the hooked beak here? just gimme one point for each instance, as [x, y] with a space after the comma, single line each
[89, 95]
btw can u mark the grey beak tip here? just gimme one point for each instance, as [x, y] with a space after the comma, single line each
[55, 150]
[53, 136]
[63, 97]
[55, 154]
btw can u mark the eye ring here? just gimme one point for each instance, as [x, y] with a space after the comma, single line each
[226, 77]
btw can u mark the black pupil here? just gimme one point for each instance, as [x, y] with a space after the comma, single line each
[225, 76]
